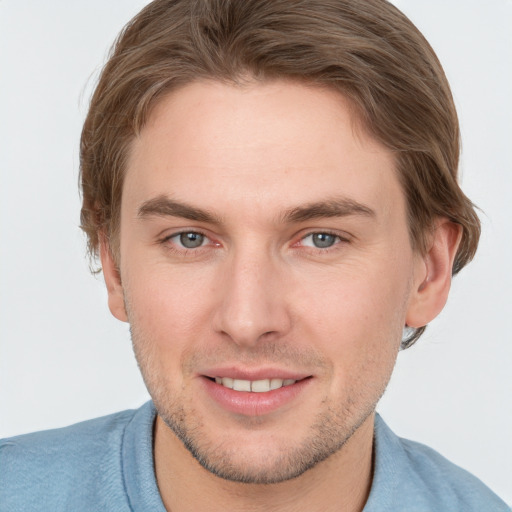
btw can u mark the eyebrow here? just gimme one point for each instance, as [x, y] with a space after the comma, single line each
[162, 206]
[335, 207]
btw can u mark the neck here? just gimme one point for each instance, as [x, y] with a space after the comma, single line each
[341, 482]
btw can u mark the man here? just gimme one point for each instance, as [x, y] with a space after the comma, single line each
[272, 192]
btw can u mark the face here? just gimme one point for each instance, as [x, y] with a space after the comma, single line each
[266, 272]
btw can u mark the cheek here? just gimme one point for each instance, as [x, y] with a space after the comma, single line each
[362, 343]
[358, 317]
[168, 310]
[354, 298]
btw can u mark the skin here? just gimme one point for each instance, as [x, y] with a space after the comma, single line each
[257, 294]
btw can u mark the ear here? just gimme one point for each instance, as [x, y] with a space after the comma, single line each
[433, 274]
[112, 280]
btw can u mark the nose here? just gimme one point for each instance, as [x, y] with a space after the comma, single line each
[252, 305]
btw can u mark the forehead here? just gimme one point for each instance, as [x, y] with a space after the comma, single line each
[261, 146]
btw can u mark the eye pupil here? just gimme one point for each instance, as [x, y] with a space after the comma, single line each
[191, 240]
[322, 240]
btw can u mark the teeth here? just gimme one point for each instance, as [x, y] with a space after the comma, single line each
[241, 385]
[227, 382]
[260, 386]
[276, 383]
[256, 386]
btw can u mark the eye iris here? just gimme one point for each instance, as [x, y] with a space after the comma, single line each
[322, 240]
[191, 240]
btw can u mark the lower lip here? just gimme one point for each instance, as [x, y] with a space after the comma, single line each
[254, 404]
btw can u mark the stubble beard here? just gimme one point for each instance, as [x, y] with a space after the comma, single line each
[334, 426]
[327, 436]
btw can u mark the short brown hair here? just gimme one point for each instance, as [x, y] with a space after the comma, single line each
[366, 49]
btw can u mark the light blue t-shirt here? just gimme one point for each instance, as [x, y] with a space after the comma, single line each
[106, 464]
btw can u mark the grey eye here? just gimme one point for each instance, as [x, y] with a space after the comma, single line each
[191, 240]
[320, 240]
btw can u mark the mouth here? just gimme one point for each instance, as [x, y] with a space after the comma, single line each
[254, 386]
[254, 391]
[257, 396]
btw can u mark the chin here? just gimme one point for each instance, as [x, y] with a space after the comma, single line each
[255, 456]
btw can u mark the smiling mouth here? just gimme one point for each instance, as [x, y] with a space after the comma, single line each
[254, 386]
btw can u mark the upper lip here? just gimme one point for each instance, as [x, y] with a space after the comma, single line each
[237, 372]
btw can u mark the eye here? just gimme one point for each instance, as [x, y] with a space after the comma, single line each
[320, 240]
[189, 239]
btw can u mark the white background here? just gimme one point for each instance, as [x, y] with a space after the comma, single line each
[63, 358]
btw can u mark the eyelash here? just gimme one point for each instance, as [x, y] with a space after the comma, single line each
[184, 251]
[339, 239]
[173, 247]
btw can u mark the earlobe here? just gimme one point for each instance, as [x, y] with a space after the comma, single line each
[433, 274]
[112, 281]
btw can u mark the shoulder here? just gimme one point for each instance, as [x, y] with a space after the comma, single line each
[413, 476]
[449, 481]
[60, 447]
[57, 467]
